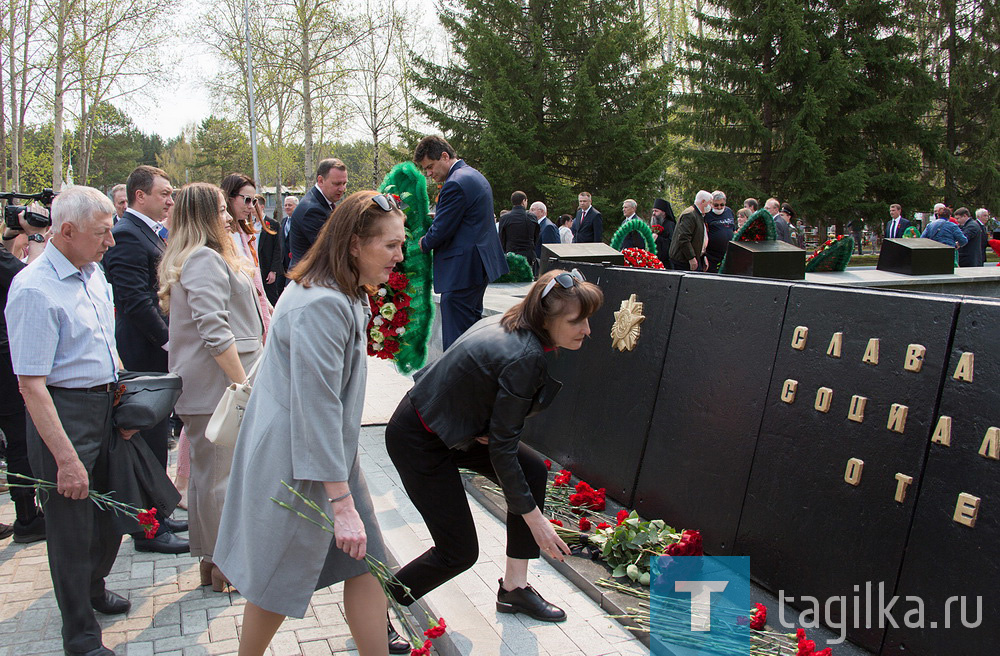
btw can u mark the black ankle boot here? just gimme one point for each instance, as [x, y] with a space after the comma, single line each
[32, 531]
[396, 644]
[526, 600]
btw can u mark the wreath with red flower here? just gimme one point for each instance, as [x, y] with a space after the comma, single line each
[833, 255]
[390, 316]
[641, 259]
[759, 227]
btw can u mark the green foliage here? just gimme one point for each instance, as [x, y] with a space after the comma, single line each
[406, 181]
[819, 102]
[117, 147]
[634, 225]
[551, 97]
[222, 147]
[627, 547]
[835, 257]
[520, 270]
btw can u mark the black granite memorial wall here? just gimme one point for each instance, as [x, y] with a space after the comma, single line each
[951, 560]
[710, 404]
[598, 423]
[850, 408]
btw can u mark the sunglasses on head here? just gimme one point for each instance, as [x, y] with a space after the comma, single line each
[387, 202]
[565, 280]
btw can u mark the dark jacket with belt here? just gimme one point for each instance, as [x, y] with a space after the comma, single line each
[487, 383]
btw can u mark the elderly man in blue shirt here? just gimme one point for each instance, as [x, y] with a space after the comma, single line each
[61, 326]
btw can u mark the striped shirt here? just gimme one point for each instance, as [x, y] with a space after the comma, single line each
[61, 323]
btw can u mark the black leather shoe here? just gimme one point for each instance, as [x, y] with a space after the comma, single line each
[396, 644]
[33, 531]
[111, 603]
[6, 530]
[165, 543]
[100, 651]
[174, 525]
[526, 600]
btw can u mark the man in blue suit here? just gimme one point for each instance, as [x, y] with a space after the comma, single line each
[548, 232]
[467, 253]
[587, 226]
[316, 207]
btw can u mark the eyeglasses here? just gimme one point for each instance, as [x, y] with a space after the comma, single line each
[387, 202]
[565, 280]
[249, 200]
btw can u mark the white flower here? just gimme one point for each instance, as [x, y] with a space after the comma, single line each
[376, 347]
[378, 320]
[381, 291]
[400, 330]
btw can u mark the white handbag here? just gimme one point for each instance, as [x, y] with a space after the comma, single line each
[224, 426]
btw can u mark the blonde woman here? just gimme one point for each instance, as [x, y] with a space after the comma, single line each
[216, 334]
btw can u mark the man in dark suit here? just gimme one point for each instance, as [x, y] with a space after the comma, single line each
[518, 231]
[291, 202]
[587, 227]
[140, 327]
[897, 224]
[120, 200]
[688, 246]
[548, 233]
[633, 239]
[971, 254]
[467, 253]
[316, 206]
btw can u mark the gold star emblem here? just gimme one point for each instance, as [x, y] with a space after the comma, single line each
[625, 331]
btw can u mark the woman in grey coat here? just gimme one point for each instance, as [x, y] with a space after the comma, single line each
[301, 426]
[216, 332]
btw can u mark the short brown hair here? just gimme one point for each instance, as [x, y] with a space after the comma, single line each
[752, 203]
[432, 147]
[532, 312]
[141, 179]
[329, 262]
[585, 193]
[963, 211]
[518, 197]
[896, 206]
[329, 163]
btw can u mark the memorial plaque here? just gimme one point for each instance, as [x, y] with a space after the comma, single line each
[597, 253]
[916, 257]
[846, 421]
[597, 424]
[711, 399]
[766, 259]
[952, 551]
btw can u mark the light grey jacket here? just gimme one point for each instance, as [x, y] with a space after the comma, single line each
[211, 307]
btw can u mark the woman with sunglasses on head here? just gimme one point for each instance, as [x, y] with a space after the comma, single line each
[241, 192]
[467, 409]
[301, 426]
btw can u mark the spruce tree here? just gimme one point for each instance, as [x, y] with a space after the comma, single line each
[817, 103]
[551, 97]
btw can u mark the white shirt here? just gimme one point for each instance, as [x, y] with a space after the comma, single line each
[155, 226]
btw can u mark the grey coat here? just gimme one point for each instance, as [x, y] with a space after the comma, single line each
[301, 426]
[211, 308]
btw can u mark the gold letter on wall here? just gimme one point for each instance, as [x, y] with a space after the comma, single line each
[853, 473]
[966, 510]
[788, 390]
[942, 432]
[857, 411]
[991, 444]
[871, 353]
[799, 338]
[914, 357]
[824, 396]
[897, 418]
[964, 369]
[902, 482]
[836, 342]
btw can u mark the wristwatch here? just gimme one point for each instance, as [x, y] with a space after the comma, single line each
[37, 238]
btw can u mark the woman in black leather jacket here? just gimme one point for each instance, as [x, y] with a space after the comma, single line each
[467, 410]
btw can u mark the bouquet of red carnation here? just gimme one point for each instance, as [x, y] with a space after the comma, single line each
[587, 497]
[390, 316]
[688, 545]
[641, 259]
[657, 229]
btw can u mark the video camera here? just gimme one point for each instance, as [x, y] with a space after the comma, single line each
[11, 212]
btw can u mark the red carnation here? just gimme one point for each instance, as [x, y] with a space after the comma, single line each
[402, 300]
[562, 478]
[148, 522]
[621, 516]
[398, 280]
[548, 464]
[584, 524]
[390, 345]
[557, 522]
[436, 629]
[603, 525]
[759, 618]
[401, 318]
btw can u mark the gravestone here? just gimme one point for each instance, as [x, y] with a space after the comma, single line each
[597, 424]
[708, 411]
[916, 257]
[766, 259]
[846, 423]
[952, 552]
[596, 253]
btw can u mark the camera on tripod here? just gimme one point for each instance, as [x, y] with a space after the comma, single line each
[36, 219]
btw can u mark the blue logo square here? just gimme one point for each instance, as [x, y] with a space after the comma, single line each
[695, 602]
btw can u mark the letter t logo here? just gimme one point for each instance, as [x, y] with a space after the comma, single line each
[701, 595]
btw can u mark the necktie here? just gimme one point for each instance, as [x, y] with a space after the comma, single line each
[162, 232]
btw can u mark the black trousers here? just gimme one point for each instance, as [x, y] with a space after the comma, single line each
[14, 429]
[429, 472]
[82, 541]
[459, 310]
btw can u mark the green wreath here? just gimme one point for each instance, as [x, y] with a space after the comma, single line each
[634, 225]
[520, 270]
[759, 227]
[833, 255]
[406, 181]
